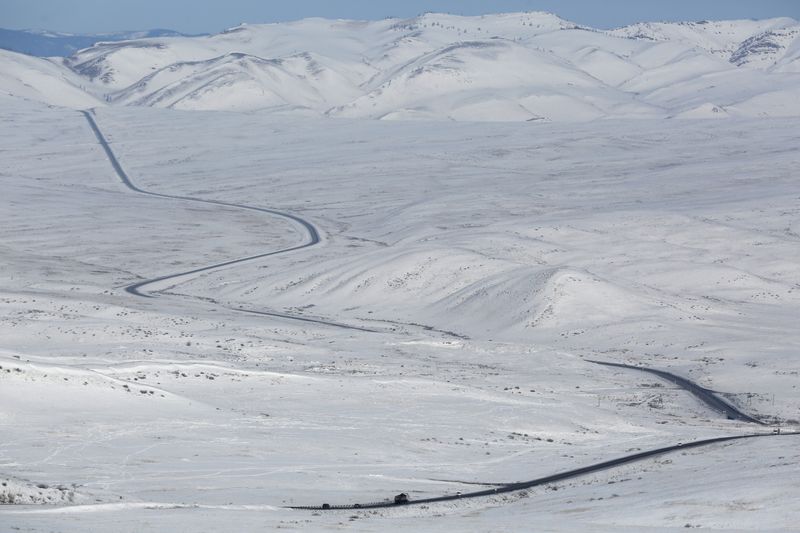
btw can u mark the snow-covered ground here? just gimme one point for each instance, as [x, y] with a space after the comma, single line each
[507, 67]
[489, 261]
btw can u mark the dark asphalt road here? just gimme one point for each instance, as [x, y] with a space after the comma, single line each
[706, 396]
[136, 288]
[701, 393]
[524, 485]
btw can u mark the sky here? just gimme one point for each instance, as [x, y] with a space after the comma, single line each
[207, 16]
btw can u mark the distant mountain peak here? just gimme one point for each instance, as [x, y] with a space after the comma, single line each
[44, 43]
[530, 66]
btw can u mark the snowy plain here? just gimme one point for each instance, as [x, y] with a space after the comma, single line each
[437, 339]
[489, 259]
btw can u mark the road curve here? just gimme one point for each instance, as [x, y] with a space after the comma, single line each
[561, 476]
[313, 238]
[706, 396]
[136, 288]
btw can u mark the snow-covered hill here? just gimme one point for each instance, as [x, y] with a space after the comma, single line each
[758, 43]
[507, 67]
[38, 79]
[437, 338]
[56, 44]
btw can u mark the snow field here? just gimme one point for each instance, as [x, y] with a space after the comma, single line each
[490, 260]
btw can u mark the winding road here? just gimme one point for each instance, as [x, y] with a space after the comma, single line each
[313, 238]
[705, 395]
[561, 476]
[708, 397]
[137, 289]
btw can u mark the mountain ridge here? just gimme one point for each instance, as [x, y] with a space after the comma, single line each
[45, 43]
[511, 66]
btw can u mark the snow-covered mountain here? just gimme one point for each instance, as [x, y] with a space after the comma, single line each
[51, 44]
[518, 66]
[760, 43]
[41, 80]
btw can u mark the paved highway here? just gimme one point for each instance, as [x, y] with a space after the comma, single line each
[312, 238]
[708, 397]
[138, 288]
[561, 476]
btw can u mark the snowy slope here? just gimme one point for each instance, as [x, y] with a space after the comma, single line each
[38, 79]
[728, 40]
[240, 81]
[495, 79]
[505, 67]
[484, 263]
[50, 44]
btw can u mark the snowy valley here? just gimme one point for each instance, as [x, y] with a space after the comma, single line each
[332, 262]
